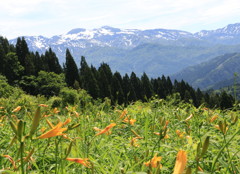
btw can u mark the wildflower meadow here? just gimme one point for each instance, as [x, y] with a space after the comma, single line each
[158, 136]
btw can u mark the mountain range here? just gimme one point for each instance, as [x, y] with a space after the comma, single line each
[154, 51]
[215, 73]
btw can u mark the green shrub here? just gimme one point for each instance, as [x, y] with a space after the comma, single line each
[69, 96]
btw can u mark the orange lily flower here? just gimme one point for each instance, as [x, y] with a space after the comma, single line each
[154, 162]
[98, 130]
[49, 123]
[181, 162]
[11, 160]
[130, 121]
[213, 118]
[179, 133]
[43, 105]
[43, 129]
[55, 110]
[106, 129]
[217, 127]
[76, 113]
[200, 169]
[165, 137]
[166, 124]
[67, 121]
[83, 161]
[124, 112]
[55, 131]
[17, 109]
[190, 116]
[134, 141]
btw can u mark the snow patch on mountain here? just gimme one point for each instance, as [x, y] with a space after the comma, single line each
[107, 36]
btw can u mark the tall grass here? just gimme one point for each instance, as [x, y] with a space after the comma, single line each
[210, 138]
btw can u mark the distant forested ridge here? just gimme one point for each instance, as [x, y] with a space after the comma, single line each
[41, 74]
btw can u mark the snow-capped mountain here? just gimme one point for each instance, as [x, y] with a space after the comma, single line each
[128, 38]
[227, 35]
[232, 30]
[104, 37]
[140, 50]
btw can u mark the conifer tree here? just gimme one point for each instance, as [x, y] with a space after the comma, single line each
[2, 57]
[5, 45]
[88, 80]
[71, 70]
[226, 101]
[38, 63]
[137, 86]
[104, 84]
[22, 50]
[147, 86]
[29, 64]
[128, 90]
[12, 68]
[117, 91]
[53, 62]
[169, 85]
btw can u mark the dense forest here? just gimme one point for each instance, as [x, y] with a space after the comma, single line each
[41, 74]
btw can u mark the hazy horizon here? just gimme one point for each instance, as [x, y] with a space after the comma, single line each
[48, 18]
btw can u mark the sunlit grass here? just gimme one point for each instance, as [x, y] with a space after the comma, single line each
[142, 137]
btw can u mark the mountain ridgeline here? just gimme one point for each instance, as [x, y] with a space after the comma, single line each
[215, 73]
[155, 51]
[41, 74]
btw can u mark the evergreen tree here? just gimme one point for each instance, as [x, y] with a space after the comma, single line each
[52, 61]
[104, 84]
[158, 87]
[88, 80]
[226, 101]
[29, 68]
[199, 97]
[187, 96]
[137, 86]
[5, 45]
[128, 90]
[117, 91]
[22, 50]
[2, 58]
[169, 85]
[38, 63]
[11, 67]
[71, 70]
[147, 86]
[107, 71]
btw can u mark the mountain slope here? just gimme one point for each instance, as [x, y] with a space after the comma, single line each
[155, 51]
[227, 35]
[214, 73]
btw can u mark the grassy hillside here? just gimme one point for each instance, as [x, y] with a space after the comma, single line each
[74, 134]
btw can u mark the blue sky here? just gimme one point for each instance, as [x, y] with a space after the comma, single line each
[53, 17]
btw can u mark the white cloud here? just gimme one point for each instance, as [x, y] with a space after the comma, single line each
[47, 17]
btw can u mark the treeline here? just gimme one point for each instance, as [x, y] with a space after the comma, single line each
[42, 74]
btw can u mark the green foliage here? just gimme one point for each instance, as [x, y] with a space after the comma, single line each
[41, 75]
[71, 70]
[11, 67]
[46, 83]
[55, 101]
[69, 97]
[6, 90]
[49, 83]
[161, 127]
